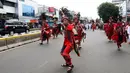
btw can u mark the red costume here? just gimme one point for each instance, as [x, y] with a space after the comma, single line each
[68, 44]
[79, 29]
[109, 30]
[45, 32]
[119, 35]
[106, 28]
[69, 40]
[55, 30]
[93, 26]
[83, 32]
[115, 34]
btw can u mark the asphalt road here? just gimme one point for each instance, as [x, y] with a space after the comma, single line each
[97, 56]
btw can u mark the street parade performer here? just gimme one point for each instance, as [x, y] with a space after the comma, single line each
[106, 28]
[84, 30]
[45, 30]
[69, 41]
[93, 25]
[55, 29]
[119, 35]
[79, 28]
[109, 28]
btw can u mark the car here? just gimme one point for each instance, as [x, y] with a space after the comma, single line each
[11, 27]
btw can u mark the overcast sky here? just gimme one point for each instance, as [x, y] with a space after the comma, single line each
[86, 7]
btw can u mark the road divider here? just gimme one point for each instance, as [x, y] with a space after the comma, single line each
[18, 40]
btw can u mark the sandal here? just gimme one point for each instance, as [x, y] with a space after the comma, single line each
[41, 43]
[70, 68]
[64, 65]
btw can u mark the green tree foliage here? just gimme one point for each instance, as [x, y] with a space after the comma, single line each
[106, 10]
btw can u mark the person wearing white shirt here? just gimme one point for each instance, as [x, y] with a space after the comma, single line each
[126, 28]
[89, 25]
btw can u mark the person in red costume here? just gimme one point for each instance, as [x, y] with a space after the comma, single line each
[79, 29]
[45, 30]
[55, 30]
[69, 33]
[110, 29]
[106, 28]
[93, 25]
[84, 30]
[119, 35]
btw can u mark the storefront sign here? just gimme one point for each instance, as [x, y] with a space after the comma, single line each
[28, 10]
[51, 9]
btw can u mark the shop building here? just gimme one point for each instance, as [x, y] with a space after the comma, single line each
[27, 10]
[124, 8]
[50, 13]
[8, 8]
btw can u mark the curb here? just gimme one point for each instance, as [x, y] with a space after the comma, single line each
[11, 37]
[8, 48]
[17, 39]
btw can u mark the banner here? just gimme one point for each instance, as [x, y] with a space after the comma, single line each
[51, 9]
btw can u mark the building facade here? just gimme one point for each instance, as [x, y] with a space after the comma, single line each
[27, 10]
[8, 8]
[124, 8]
[50, 13]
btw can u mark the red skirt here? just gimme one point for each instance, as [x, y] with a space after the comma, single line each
[114, 37]
[94, 27]
[45, 35]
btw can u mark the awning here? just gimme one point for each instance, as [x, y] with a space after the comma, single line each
[34, 21]
[27, 21]
[128, 15]
[48, 14]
